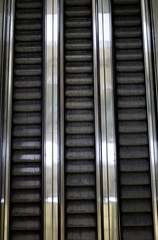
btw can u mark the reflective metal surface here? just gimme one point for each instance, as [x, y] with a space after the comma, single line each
[111, 138]
[2, 4]
[55, 116]
[96, 113]
[2, 38]
[6, 151]
[154, 24]
[109, 168]
[103, 124]
[51, 122]
[150, 110]
[62, 167]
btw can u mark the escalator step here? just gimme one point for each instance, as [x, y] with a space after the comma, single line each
[80, 186]
[26, 159]
[132, 131]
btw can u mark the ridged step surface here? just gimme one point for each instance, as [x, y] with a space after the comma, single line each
[132, 132]
[26, 159]
[80, 175]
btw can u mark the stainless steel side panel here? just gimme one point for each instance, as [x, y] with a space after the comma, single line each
[110, 121]
[108, 139]
[51, 148]
[2, 36]
[2, 15]
[6, 144]
[62, 166]
[97, 122]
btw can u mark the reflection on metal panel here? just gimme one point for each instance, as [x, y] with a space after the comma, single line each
[109, 182]
[51, 122]
[96, 113]
[55, 117]
[111, 139]
[6, 148]
[2, 38]
[62, 165]
[150, 109]
[103, 124]
[2, 13]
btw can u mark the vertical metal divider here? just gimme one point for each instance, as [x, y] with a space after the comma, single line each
[97, 127]
[108, 138]
[55, 118]
[3, 15]
[110, 121]
[51, 129]
[154, 23]
[6, 141]
[105, 191]
[48, 129]
[43, 114]
[62, 165]
[151, 110]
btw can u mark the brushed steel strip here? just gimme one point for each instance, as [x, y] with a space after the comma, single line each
[51, 145]
[6, 148]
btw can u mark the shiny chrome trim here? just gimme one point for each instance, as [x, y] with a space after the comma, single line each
[51, 150]
[6, 151]
[109, 168]
[48, 128]
[150, 110]
[96, 114]
[110, 121]
[103, 124]
[2, 45]
[62, 157]
[55, 119]
[2, 5]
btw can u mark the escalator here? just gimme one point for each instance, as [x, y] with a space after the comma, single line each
[132, 128]
[80, 172]
[26, 139]
[26, 175]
